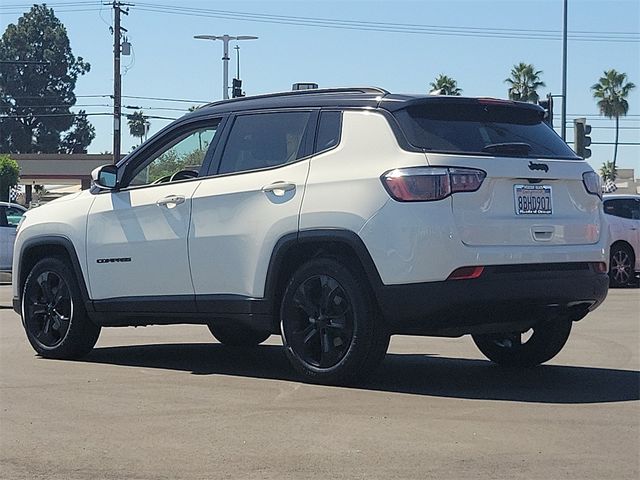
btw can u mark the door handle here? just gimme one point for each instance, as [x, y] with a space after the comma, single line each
[279, 188]
[170, 201]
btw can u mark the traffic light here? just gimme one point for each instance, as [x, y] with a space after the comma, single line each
[581, 138]
[548, 108]
[236, 91]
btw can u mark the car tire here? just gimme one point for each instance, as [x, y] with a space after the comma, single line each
[53, 313]
[621, 266]
[509, 349]
[238, 335]
[331, 327]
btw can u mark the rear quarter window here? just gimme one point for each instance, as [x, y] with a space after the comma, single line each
[475, 128]
[329, 127]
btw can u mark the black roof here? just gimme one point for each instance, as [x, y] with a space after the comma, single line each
[355, 97]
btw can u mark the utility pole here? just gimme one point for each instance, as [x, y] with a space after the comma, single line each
[225, 57]
[563, 127]
[117, 86]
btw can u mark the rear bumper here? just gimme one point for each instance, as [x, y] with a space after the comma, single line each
[504, 297]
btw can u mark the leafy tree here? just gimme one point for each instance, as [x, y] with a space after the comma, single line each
[9, 174]
[446, 86]
[524, 82]
[138, 125]
[611, 91]
[608, 171]
[79, 138]
[38, 76]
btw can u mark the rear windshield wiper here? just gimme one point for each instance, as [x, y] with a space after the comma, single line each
[510, 148]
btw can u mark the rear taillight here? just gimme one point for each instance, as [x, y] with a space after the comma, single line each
[425, 184]
[592, 183]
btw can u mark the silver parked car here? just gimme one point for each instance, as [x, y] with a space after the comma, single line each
[10, 215]
[623, 216]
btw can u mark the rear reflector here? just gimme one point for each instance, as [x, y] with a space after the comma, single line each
[600, 267]
[466, 273]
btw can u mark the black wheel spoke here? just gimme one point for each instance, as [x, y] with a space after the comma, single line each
[302, 300]
[339, 323]
[325, 342]
[44, 281]
[311, 332]
[38, 308]
[62, 293]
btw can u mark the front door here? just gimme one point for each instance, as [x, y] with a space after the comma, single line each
[137, 236]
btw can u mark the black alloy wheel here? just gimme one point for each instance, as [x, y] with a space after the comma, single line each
[323, 322]
[621, 266]
[525, 349]
[330, 324]
[48, 309]
[53, 313]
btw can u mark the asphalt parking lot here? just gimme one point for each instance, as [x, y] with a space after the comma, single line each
[169, 402]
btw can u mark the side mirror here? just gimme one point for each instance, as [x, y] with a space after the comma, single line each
[105, 177]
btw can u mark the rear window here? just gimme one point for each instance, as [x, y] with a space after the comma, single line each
[481, 129]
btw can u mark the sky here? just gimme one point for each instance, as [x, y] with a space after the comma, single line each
[475, 42]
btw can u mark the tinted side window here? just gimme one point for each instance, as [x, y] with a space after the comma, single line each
[620, 208]
[264, 140]
[184, 154]
[329, 128]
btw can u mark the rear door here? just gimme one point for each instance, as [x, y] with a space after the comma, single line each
[251, 200]
[533, 193]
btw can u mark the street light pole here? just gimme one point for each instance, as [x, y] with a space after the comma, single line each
[225, 57]
[563, 127]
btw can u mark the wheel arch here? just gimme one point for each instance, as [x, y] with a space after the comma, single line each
[294, 249]
[624, 243]
[37, 248]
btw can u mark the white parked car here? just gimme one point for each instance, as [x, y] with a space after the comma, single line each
[334, 218]
[623, 216]
[10, 215]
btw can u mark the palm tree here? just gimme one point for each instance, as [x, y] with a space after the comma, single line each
[612, 92]
[445, 85]
[608, 171]
[524, 81]
[138, 125]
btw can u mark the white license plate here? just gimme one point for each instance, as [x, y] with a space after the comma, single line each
[532, 199]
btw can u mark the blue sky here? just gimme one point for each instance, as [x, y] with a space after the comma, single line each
[167, 62]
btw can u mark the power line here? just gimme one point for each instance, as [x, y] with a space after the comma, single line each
[166, 99]
[624, 37]
[157, 117]
[411, 28]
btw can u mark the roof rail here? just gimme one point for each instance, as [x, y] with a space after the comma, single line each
[314, 91]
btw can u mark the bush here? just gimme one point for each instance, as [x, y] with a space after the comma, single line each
[9, 175]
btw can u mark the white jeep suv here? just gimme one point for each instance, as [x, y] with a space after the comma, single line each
[334, 218]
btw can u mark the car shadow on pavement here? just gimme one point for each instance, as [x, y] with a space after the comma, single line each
[428, 375]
